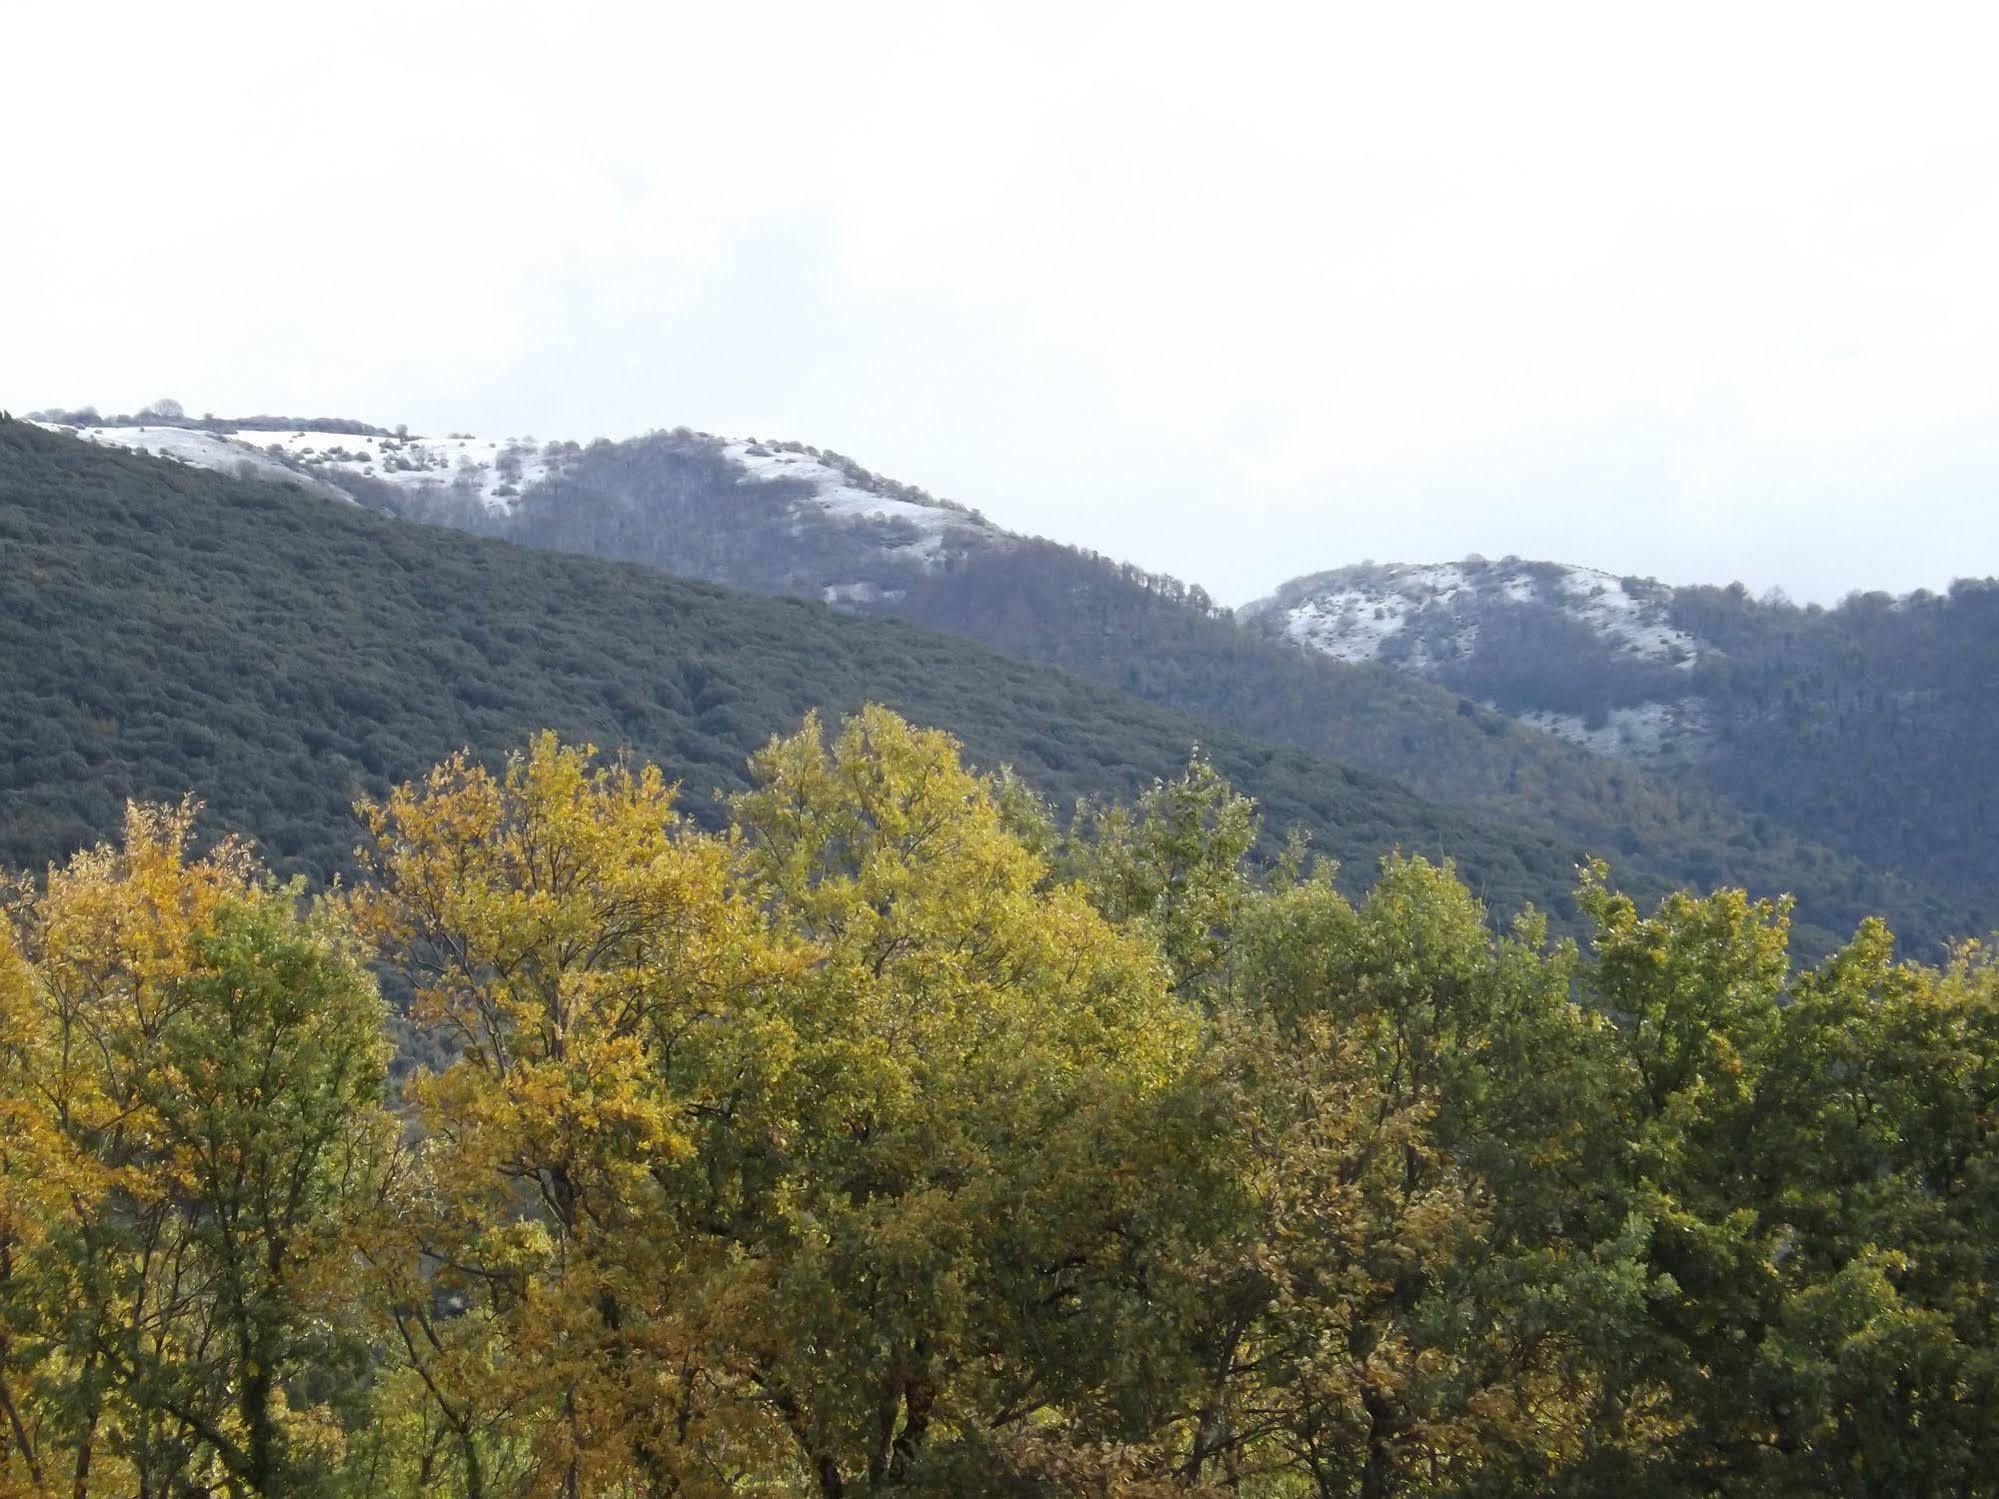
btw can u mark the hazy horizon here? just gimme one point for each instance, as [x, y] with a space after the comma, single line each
[1707, 298]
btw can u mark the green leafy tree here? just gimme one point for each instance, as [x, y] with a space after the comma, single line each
[206, 1067]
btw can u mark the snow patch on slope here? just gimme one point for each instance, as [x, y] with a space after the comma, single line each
[1645, 732]
[891, 532]
[1353, 622]
[1609, 606]
[859, 593]
[1428, 620]
[196, 449]
[491, 470]
[838, 497]
[1352, 613]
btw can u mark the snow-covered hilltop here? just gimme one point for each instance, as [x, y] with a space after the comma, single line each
[497, 471]
[491, 471]
[777, 516]
[1586, 655]
[847, 493]
[1439, 610]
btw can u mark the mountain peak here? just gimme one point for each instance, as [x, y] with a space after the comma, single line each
[843, 491]
[490, 476]
[1423, 615]
[1589, 656]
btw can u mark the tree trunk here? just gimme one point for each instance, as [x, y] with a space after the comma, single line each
[918, 1400]
[1377, 1476]
[262, 1469]
[93, 1405]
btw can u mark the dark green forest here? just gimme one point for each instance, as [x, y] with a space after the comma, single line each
[1870, 723]
[673, 501]
[1864, 727]
[165, 630]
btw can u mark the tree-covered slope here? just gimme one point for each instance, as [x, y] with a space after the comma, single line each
[1868, 727]
[164, 629]
[1874, 724]
[681, 501]
[1546, 646]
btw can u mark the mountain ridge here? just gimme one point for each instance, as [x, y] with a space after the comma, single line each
[1459, 623]
[789, 519]
[1866, 725]
[166, 630]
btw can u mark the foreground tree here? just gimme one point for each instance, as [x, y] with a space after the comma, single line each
[197, 1068]
[1394, 1302]
[769, 1149]
[974, 1036]
[603, 990]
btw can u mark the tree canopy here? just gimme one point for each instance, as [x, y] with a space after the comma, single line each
[898, 1136]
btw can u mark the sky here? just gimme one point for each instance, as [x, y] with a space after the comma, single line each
[1236, 292]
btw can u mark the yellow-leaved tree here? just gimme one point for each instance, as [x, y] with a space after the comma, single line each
[191, 1072]
[605, 986]
[764, 1154]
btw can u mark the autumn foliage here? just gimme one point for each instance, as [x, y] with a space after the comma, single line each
[901, 1139]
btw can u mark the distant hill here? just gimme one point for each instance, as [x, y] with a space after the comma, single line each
[1587, 656]
[793, 520]
[1872, 727]
[165, 629]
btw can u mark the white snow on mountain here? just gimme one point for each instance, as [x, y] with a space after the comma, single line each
[1428, 619]
[1631, 612]
[1352, 613]
[1643, 732]
[491, 470]
[1352, 621]
[837, 496]
[197, 449]
[494, 472]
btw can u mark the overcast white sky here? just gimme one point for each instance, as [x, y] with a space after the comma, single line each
[1234, 291]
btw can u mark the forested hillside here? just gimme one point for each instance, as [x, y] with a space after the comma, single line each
[1867, 726]
[165, 630]
[628, 660]
[679, 502]
[1602, 728]
[1872, 724]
